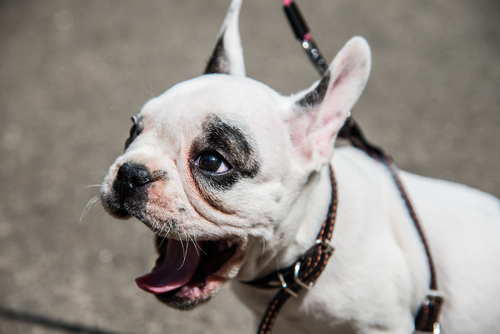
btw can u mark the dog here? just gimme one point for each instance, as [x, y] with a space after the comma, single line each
[234, 181]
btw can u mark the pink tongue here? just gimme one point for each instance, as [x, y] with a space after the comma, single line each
[176, 269]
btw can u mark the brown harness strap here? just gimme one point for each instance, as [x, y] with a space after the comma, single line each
[428, 315]
[307, 269]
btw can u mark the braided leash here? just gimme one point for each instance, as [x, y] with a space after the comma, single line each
[428, 315]
[307, 269]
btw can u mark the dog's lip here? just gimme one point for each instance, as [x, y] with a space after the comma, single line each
[113, 208]
[185, 268]
[120, 214]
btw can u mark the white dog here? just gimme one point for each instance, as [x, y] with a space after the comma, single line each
[234, 180]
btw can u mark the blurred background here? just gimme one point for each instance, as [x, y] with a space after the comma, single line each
[73, 72]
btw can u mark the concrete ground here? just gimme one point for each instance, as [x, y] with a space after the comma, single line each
[73, 72]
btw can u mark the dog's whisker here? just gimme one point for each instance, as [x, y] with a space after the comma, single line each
[85, 210]
[93, 201]
[198, 248]
[98, 172]
[184, 252]
[158, 236]
[93, 186]
[159, 228]
[188, 237]
[182, 246]
[150, 91]
[118, 149]
[201, 250]
[161, 243]
[194, 243]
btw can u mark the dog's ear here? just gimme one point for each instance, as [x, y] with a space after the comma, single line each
[227, 57]
[320, 111]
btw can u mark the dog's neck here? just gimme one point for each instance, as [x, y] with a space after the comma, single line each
[296, 233]
[363, 236]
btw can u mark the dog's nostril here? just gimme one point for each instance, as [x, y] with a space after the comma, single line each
[133, 175]
[140, 177]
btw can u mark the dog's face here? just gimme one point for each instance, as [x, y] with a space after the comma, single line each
[214, 165]
[196, 170]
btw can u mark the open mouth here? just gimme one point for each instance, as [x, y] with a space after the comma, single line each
[185, 271]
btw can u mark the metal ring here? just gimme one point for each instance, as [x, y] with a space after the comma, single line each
[297, 279]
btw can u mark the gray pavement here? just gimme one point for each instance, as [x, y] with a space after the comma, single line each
[73, 72]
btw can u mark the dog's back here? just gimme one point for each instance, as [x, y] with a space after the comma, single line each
[462, 227]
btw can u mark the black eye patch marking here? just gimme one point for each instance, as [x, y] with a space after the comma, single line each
[227, 142]
[135, 131]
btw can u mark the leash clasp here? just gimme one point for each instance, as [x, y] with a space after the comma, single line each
[435, 297]
[436, 328]
[433, 301]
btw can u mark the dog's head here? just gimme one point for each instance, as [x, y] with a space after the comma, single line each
[214, 166]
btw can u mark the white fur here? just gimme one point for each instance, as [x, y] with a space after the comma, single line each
[378, 275]
[232, 41]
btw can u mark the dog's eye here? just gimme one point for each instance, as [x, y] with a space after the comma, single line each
[132, 133]
[212, 162]
[133, 130]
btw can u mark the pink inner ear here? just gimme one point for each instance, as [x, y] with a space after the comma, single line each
[326, 135]
[315, 130]
[300, 130]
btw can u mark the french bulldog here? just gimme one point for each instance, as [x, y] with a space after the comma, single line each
[233, 179]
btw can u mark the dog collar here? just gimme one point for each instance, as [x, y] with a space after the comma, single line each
[304, 272]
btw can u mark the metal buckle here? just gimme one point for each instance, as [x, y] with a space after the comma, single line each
[285, 286]
[297, 279]
[326, 245]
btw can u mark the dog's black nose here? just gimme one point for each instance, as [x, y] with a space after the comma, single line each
[130, 176]
[133, 175]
